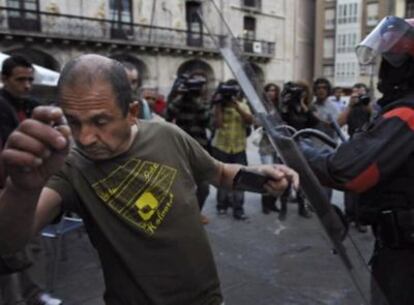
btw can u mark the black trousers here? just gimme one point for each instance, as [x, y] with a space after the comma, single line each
[393, 271]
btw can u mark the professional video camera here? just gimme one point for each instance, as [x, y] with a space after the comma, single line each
[291, 96]
[228, 90]
[185, 83]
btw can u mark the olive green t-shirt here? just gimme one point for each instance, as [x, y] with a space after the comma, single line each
[140, 210]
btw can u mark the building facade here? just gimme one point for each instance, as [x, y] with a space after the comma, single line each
[162, 38]
[340, 26]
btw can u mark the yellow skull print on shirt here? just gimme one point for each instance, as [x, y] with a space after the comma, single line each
[139, 192]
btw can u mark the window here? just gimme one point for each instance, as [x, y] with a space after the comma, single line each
[345, 13]
[340, 14]
[328, 71]
[354, 12]
[341, 43]
[409, 9]
[249, 28]
[194, 24]
[346, 42]
[249, 33]
[329, 19]
[26, 16]
[348, 13]
[251, 3]
[372, 14]
[328, 48]
[120, 10]
[121, 13]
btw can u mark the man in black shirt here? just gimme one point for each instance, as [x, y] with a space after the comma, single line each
[15, 106]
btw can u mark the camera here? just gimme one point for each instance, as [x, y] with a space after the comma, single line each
[364, 100]
[228, 90]
[185, 83]
[291, 95]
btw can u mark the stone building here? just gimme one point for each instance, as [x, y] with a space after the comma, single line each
[162, 38]
[340, 26]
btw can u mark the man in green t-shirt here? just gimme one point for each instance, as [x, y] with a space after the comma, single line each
[132, 182]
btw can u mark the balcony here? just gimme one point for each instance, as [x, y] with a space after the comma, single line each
[43, 26]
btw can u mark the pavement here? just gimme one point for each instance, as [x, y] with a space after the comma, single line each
[261, 261]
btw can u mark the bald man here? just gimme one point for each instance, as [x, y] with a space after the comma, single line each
[137, 201]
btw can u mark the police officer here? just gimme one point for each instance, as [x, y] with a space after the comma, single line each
[378, 162]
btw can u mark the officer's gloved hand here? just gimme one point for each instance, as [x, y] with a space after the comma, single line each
[313, 150]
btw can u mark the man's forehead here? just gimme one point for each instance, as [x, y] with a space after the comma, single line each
[98, 90]
[22, 70]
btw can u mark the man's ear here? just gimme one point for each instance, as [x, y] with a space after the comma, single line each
[133, 112]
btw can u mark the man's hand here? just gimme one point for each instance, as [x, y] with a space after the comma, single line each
[281, 177]
[37, 148]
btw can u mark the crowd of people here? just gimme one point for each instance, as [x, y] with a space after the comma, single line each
[100, 153]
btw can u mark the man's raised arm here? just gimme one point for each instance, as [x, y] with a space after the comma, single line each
[33, 152]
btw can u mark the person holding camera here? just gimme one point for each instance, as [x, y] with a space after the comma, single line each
[267, 153]
[356, 115]
[359, 111]
[232, 117]
[296, 110]
[188, 109]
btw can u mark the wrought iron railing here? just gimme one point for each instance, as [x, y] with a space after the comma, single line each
[36, 23]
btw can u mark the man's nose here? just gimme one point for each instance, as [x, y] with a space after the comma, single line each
[86, 136]
[28, 84]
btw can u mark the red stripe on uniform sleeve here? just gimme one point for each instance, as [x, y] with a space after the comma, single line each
[365, 180]
[406, 114]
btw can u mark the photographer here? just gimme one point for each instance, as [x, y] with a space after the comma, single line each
[296, 111]
[189, 111]
[359, 111]
[267, 153]
[232, 117]
[296, 108]
[356, 116]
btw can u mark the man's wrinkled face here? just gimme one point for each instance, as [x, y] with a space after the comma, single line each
[99, 128]
[20, 82]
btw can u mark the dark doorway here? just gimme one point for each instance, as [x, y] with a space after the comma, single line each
[23, 15]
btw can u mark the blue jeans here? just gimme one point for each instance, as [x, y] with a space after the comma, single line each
[228, 198]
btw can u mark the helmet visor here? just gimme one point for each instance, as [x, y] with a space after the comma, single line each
[382, 39]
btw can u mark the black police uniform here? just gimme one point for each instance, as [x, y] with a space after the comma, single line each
[378, 163]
